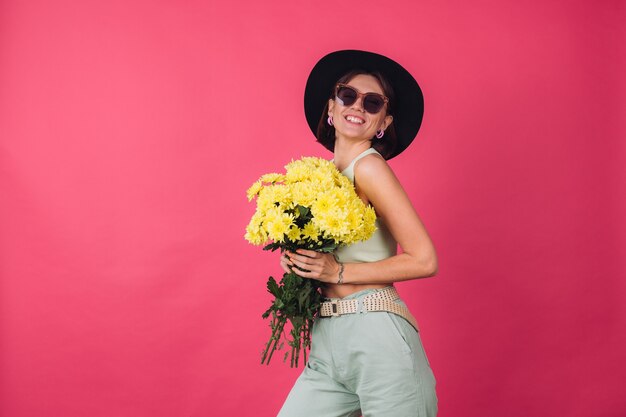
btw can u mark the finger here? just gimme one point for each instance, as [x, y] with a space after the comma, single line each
[286, 260]
[302, 253]
[303, 274]
[300, 258]
[301, 261]
[308, 274]
[309, 253]
[307, 266]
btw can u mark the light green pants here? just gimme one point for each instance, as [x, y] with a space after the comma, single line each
[370, 363]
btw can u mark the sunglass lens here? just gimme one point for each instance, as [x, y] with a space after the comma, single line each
[373, 103]
[346, 95]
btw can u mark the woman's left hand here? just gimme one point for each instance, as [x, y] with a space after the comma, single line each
[322, 266]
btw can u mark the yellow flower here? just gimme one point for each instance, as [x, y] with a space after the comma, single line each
[294, 234]
[322, 177]
[254, 190]
[344, 182]
[281, 194]
[340, 196]
[255, 236]
[276, 231]
[297, 171]
[353, 219]
[324, 203]
[303, 193]
[369, 222]
[331, 223]
[254, 233]
[277, 224]
[310, 232]
[272, 178]
[265, 201]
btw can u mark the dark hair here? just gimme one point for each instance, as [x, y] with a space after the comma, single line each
[387, 144]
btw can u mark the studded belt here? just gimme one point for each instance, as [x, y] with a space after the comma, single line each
[382, 300]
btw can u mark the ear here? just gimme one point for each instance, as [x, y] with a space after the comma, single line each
[387, 121]
[331, 106]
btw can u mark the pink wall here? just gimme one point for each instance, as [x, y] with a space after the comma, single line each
[130, 130]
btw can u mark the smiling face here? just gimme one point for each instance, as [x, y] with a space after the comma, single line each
[353, 121]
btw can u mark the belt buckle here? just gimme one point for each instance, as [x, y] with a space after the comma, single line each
[334, 308]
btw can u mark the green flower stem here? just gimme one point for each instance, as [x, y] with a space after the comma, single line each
[295, 299]
[277, 326]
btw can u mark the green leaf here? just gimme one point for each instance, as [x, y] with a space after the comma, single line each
[272, 246]
[303, 297]
[304, 211]
[273, 288]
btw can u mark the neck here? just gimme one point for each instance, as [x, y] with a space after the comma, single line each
[347, 150]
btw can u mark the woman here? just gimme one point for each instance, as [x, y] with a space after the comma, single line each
[366, 355]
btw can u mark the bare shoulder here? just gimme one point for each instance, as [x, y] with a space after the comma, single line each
[376, 184]
[371, 170]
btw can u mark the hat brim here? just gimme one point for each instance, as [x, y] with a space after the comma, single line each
[409, 100]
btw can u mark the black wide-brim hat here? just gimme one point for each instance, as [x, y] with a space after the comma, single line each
[408, 106]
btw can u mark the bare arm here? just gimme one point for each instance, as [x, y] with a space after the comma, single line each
[377, 185]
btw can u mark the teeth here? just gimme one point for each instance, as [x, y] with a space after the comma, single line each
[354, 119]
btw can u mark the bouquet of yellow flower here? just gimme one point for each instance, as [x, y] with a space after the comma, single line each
[312, 206]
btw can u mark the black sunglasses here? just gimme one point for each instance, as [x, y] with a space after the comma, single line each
[372, 102]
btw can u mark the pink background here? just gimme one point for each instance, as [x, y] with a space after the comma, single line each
[130, 130]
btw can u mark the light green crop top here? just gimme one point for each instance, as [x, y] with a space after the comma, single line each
[380, 246]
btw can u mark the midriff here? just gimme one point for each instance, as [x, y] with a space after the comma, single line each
[344, 290]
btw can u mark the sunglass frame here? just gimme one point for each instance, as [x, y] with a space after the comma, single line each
[362, 96]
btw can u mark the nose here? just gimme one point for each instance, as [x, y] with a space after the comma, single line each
[358, 104]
